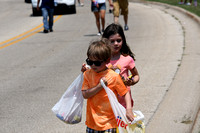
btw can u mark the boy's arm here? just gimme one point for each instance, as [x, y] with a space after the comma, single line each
[129, 112]
[92, 91]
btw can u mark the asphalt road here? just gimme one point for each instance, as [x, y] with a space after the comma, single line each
[37, 68]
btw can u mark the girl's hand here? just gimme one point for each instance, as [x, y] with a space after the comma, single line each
[129, 114]
[84, 68]
[128, 81]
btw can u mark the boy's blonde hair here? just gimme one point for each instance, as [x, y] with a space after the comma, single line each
[99, 50]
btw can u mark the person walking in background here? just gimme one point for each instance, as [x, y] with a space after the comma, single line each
[121, 6]
[188, 3]
[98, 7]
[47, 7]
[185, 2]
[195, 3]
[99, 114]
[181, 2]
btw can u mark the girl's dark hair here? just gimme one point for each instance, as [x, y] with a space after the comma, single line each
[113, 29]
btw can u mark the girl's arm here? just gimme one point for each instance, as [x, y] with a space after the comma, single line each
[135, 77]
[93, 91]
[129, 112]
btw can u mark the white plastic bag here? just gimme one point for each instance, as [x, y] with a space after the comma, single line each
[69, 107]
[124, 126]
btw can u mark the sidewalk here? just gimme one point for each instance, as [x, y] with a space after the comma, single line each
[177, 113]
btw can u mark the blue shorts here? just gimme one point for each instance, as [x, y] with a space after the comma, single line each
[102, 6]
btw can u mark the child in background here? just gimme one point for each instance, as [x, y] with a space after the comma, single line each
[122, 57]
[99, 116]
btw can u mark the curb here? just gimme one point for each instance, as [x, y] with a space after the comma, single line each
[192, 123]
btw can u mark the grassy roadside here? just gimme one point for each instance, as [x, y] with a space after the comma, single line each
[191, 8]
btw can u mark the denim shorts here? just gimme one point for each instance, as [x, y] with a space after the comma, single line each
[102, 6]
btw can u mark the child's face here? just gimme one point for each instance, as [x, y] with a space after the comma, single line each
[116, 43]
[96, 65]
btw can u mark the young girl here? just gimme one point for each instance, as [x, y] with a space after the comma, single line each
[122, 59]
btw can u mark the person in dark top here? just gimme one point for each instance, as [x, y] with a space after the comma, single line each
[47, 7]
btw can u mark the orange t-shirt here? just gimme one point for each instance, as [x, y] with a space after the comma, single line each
[99, 115]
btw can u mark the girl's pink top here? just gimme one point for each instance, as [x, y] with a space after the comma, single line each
[124, 63]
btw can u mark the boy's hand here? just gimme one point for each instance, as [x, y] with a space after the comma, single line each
[84, 68]
[129, 114]
[105, 81]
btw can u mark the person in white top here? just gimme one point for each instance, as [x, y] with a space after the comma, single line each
[98, 7]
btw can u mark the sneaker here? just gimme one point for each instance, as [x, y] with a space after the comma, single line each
[45, 31]
[188, 4]
[51, 30]
[81, 4]
[126, 27]
[98, 34]
[181, 3]
[102, 31]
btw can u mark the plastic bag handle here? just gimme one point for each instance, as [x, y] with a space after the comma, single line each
[102, 83]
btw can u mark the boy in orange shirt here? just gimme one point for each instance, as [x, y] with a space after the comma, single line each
[99, 115]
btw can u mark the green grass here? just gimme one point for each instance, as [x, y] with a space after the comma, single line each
[192, 8]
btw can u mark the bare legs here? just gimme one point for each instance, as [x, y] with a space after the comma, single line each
[99, 15]
[116, 20]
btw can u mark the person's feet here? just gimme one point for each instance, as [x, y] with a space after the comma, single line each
[126, 27]
[45, 31]
[98, 34]
[81, 4]
[188, 3]
[181, 3]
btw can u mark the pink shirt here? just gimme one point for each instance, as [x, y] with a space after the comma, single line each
[125, 63]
